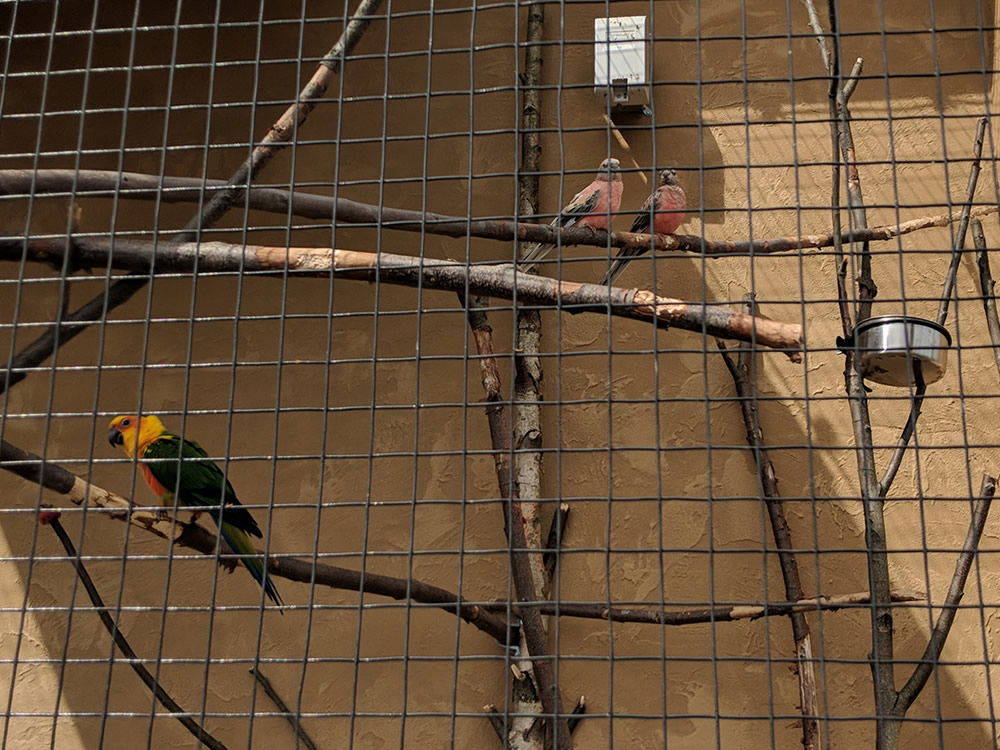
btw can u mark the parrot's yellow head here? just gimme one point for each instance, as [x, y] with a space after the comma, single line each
[133, 433]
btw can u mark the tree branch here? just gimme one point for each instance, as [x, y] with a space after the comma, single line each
[986, 285]
[963, 223]
[51, 518]
[743, 372]
[293, 718]
[497, 281]
[26, 183]
[191, 535]
[725, 613]
[119, 292]
[956, 589]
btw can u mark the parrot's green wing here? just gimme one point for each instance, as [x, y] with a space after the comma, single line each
[183, 467]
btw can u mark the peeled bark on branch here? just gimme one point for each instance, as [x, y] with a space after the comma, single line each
[191, 535]
[495, 281]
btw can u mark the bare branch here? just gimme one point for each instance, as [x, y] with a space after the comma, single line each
[52, 519]
[52, 476]
[743, 372]
[986, 285]
[674, 618]
[554, 540]
[293, 718]
[132, 185]
[817, 27]
[956, 589]
[963, 223]
[496, 281]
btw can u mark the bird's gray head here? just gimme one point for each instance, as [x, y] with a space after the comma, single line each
[610, 169]
[669, 177]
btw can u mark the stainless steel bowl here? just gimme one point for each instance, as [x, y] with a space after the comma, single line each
[888, 347]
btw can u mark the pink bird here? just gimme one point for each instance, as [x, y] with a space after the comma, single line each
[591, 207]
[666, 206]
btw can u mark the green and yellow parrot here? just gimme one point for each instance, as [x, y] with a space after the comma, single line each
[193, 481]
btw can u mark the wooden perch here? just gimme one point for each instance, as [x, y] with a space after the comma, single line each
[65, 183]
[651, 615]
[193, 536]
[51, 519]
[496, 281]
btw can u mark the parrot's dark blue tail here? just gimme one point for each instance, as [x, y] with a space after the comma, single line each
[241, 544]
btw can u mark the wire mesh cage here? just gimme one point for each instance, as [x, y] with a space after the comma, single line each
[337, 298]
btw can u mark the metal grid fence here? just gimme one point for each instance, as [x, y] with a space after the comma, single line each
[500, 504]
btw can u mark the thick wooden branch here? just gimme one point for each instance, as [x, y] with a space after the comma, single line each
[495, 281]
[956, 590]
[191, 535]
[67, 183]
[52, 519]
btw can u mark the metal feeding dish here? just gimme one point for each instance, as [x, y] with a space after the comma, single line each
[890, 346]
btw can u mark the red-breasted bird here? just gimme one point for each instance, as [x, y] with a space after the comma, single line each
[591, 207]
[666, 205]
[180, 473]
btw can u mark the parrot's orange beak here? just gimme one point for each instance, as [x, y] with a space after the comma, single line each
[115, 437]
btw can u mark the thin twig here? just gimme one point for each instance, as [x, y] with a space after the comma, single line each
[498, 281]
[578, 713]
[132, 185]
[920, 388]
[743, 372]
[98, 500]
[292, 718]
[963, 223]
[817, 27]
[722, 613]
[855, 199]
[496, 720]
[119, 292]
[980, 511]
[554, 540]
[986, 288]
[52, 519]
[916, 404]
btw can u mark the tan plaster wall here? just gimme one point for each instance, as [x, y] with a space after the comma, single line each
[663, 389]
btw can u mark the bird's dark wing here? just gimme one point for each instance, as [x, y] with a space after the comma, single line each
[183, 467]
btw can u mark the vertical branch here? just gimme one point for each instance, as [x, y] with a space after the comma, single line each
[963, 222]
[986, 285]
[956, 589]
[51, 518]
[855, 199]
[744, 374]
[536, 670]
[122, 289]
[875, 539]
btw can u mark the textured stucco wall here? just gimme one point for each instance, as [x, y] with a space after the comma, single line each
[658, 389]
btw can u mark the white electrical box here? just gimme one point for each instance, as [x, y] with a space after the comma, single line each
[620, 71]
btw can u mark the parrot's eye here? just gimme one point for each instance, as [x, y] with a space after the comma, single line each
[126, 422]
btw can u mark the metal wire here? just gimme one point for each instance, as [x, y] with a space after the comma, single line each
[349, 417]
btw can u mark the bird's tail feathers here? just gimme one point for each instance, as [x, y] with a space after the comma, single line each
[241, 544]
[532, 255]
